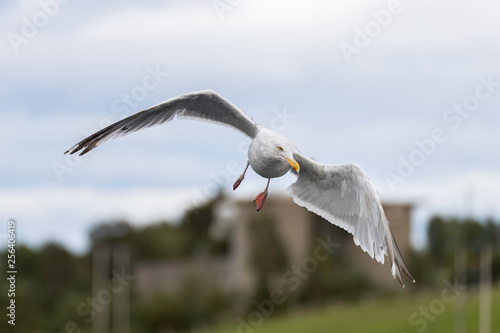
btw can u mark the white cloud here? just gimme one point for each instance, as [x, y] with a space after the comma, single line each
[66, 214]
[369, 111]
[259, 39]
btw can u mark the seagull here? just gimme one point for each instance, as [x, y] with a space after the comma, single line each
[341, 194]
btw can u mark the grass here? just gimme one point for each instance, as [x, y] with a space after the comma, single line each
[429, 313]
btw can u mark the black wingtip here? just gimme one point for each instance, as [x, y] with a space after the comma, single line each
[73, 149]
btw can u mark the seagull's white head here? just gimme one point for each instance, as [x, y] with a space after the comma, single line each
[285, 151]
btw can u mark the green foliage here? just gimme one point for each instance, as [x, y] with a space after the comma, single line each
[335, 278]
[268, 257]
[164, 239]
[267, 252]
[438, 234]
[195, 305]
[161, 240]
[198, 222]
[50, 284]
[449, 237]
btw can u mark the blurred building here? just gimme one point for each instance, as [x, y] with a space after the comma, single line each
[297, 229]
[170, 276]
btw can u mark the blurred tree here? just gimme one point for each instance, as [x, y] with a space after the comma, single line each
[164, 239]
[161, 241]
[198, 222]
[449, 236]
[438, 235]
[267, 255]
[196, 305]
[492, 236]
[335, 278]
[50, 284]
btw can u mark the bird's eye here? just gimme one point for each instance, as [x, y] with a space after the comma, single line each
[280, 149]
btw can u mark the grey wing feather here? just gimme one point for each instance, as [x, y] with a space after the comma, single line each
[204, 105]
[343, 195]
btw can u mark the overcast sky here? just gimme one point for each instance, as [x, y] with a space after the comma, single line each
[409, 90]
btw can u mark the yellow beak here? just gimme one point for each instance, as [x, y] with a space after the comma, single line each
[294, 164]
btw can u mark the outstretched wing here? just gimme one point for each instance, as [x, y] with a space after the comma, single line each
[343, 195]
[204, 105]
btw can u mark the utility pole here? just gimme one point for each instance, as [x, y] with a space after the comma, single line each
[100, 290]
[460, 322]
[485, 290]
[121, 300]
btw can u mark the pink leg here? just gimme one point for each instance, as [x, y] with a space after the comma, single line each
[240, 178]
[261, 197]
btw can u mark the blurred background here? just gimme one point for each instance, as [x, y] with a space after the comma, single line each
[144, 234]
